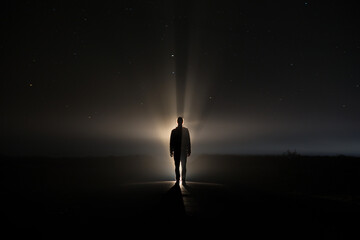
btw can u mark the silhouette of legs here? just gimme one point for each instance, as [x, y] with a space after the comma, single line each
[177, 169]
[183, 168]
[180, 159]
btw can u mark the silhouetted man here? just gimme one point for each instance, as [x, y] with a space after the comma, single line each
[180, 148]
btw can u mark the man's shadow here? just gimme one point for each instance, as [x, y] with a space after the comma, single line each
[172, 204]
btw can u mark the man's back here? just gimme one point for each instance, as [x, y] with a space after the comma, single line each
[180, 140]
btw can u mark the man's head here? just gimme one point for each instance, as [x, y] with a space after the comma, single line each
[180, 121]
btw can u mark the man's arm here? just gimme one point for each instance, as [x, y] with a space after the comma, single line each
[172, 144]
[189, 143]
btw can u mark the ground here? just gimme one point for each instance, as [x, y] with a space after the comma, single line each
[73, 207]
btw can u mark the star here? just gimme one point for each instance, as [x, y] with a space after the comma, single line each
[30, 84]
[172, 55]
[89, 117]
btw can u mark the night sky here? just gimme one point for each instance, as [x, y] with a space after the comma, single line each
[103, 78]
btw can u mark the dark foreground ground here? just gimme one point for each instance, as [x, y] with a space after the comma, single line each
[287, 197]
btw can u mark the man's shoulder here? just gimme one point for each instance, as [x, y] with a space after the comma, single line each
[186, 129]
[179, 129]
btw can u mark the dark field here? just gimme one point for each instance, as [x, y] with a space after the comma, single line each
[287, 196]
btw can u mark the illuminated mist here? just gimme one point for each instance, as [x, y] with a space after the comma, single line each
[114, 84]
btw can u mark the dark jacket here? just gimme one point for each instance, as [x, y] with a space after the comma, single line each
[180, 141]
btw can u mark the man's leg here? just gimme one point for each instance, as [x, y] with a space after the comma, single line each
[177, 168]
[183, 167]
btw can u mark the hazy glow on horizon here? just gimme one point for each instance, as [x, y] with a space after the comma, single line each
[116, 83]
